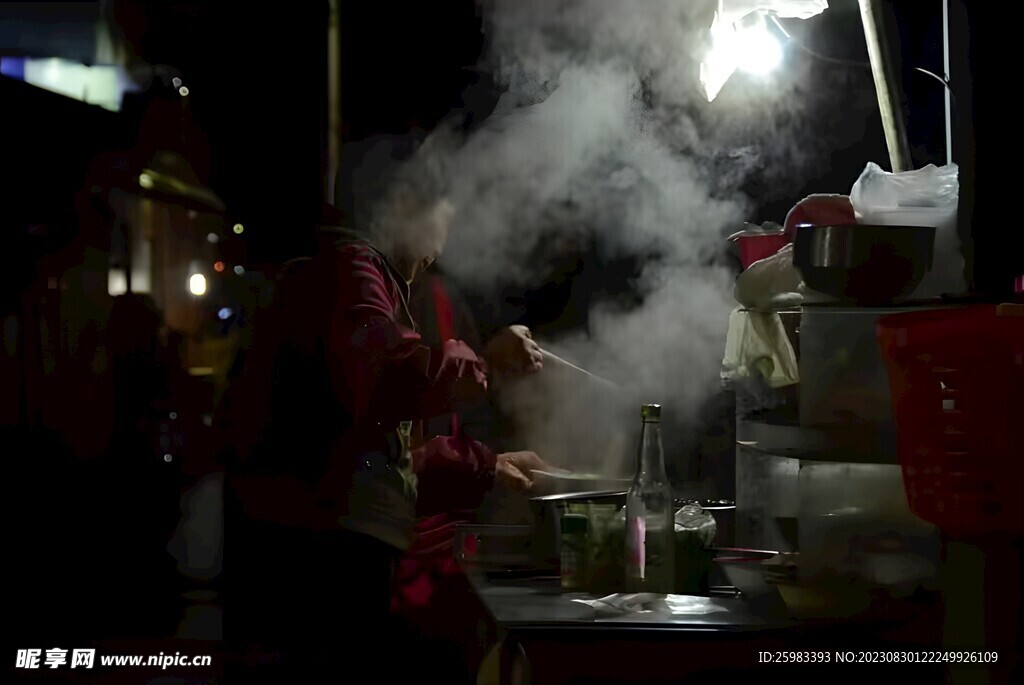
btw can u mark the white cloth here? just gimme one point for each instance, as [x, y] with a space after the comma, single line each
[757, 344]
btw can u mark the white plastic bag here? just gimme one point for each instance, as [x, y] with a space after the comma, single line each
[770, 283]
[923, 197]
[693, 520]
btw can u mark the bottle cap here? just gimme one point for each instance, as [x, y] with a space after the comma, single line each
[574, 524]
[650, 411]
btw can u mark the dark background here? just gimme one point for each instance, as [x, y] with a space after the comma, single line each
[252, 129]
[252, 126]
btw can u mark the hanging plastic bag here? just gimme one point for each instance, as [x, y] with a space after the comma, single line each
[924, 197]
[769, 283]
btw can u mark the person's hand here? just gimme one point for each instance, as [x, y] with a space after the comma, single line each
[471, 385]
[513, 351]
[513, 469]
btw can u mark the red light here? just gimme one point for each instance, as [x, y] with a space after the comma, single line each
[218, 266]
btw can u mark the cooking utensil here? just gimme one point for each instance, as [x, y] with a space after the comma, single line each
[864, 264]
[558, 360]
[551, 483]
[744, 569]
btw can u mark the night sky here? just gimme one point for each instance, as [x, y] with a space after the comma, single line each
[252, 125]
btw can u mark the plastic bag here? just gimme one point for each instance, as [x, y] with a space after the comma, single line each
[692, 519]
[924, 197]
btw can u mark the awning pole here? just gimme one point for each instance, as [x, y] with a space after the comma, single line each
[333, 99]
[887, 86]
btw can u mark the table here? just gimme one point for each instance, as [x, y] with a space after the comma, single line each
[560, 640]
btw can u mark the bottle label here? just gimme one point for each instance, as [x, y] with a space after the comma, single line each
[638, 545]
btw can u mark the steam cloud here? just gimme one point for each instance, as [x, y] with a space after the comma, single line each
[603, 129]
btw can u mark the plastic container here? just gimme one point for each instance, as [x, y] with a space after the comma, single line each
[754, 246]
[957, 382]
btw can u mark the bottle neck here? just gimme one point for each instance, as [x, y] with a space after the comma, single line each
[651, 455]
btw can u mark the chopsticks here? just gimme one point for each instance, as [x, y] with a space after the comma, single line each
[604, 381]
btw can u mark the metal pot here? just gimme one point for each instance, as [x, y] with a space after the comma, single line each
[864, 264]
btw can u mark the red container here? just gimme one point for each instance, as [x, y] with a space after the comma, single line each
[754, 246]
[957, 382]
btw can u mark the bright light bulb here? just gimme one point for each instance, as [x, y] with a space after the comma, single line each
[197, 284]
[758, 53]
[746, 45]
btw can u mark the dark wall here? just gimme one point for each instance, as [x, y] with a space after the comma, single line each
[405, 65]
[986, 146]
[258, 91]
[48, 141]
[256, 106]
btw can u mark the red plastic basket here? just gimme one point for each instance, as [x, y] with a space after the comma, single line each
[957, 381]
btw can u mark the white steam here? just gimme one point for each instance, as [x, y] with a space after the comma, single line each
[600, 131]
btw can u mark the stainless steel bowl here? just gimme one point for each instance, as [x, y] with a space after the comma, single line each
[864, 264]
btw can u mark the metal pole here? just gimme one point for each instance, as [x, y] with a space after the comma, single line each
[886, 86]
[945, 73]
[333, 99]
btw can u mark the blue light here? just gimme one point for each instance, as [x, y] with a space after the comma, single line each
[13, 67]
[224, 314]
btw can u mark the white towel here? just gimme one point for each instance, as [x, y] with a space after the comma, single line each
[757, 344]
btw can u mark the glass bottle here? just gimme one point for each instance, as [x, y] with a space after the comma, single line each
[650, 521]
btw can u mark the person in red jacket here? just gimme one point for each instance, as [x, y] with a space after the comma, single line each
[431, 594]
[321, 496]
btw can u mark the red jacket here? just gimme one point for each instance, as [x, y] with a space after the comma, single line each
[334, 366]
[428, 575]
[430, 590]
